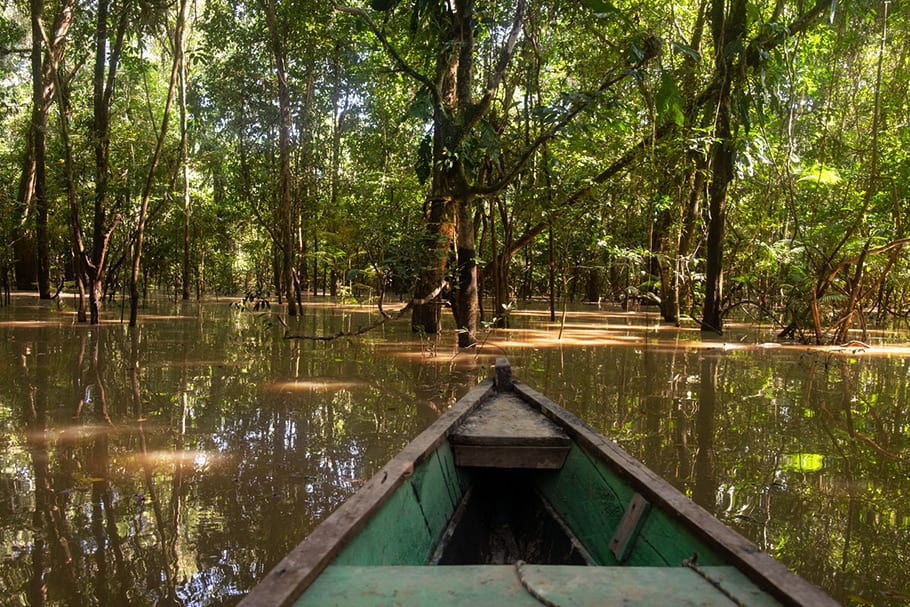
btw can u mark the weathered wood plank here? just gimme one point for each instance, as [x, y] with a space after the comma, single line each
[506, 432]
[508, 420]
[623, 540]
[508, 456]
[499, 585]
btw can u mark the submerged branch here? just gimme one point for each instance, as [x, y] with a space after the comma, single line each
[383, 318]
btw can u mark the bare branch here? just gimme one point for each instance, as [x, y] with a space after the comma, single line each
[383, 318]
[505, 57]
[14, 51]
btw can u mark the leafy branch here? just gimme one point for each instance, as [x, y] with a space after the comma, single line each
[408, 69]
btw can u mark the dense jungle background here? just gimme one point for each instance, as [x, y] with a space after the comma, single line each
[712, 157]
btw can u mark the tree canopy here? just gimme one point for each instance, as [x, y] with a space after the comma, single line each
[710, 157]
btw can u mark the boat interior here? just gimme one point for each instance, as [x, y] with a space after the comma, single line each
[503, 519]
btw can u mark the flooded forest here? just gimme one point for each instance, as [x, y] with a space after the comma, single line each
[177, 462]
[248, 250]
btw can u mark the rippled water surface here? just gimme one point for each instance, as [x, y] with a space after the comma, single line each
[175, 463]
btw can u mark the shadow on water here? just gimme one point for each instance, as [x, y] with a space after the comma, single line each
[175, 463]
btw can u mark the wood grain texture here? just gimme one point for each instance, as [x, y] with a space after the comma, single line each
[566, 586]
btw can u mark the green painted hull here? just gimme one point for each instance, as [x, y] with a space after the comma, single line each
[425, 530]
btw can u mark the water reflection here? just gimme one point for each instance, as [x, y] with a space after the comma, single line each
[175, 463]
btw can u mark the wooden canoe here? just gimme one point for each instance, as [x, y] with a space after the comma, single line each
[509, 499]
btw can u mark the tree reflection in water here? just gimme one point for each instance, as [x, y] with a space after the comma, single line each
[175, 463]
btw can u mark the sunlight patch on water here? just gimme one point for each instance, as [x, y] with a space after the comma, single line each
[77, 433]
[314, 384]
[195, 458]
[167, 317]
[29, 324]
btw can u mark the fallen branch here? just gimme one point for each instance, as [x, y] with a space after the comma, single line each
[383, 318]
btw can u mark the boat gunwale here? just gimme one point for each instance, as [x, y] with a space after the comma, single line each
[764, 570]
[288, 579]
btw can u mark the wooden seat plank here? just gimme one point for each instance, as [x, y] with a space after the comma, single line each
[506, 432]
[566, 586]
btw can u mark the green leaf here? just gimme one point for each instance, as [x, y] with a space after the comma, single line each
[669, 100]
[684, 49]
[820, 175]
[421, 107]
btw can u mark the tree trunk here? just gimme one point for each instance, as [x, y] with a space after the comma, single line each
[34, 265]
[39, 151]
[440, 232]
[103, 91]
[465, 305]
[681, 287]
[185, 173]
[499, 266]
[285, 215]
[61, 93]
[156, 158]
[726, 29]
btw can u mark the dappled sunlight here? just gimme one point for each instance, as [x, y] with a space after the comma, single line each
[29, 324]
[313, 384]
[602, 316]
[80, 432]
[482, 354]
[166, 317]
[863, 350]
[525, 338]
[160, 458]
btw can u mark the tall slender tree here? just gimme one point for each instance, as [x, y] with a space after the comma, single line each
[285, 224]
[178, 41]
[107, 62]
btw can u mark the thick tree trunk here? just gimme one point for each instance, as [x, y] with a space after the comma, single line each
[440, 233]
[722, 174]
[465, 305]
[39, 150]
[728, 24]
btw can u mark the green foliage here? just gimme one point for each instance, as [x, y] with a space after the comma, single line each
[820, 175]
[670, 104]
[807, 111]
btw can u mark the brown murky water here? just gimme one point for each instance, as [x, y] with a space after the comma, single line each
[175, 463]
